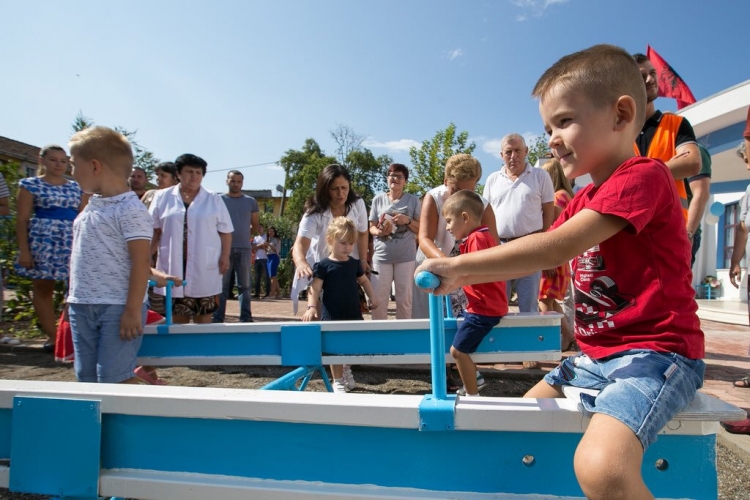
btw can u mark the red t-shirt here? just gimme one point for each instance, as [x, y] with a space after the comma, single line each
[487, 299]
[746, 134]
[633, 291]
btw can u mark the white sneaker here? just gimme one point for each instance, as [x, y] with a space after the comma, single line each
[349, 378]
[339, 385]
[481, 384]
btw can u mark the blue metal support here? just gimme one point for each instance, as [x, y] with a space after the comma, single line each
[167, 305]
[437, 410]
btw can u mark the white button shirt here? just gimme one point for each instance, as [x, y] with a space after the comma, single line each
[518, 204]
[207, 217]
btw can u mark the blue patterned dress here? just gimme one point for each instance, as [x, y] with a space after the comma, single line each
[51, 228]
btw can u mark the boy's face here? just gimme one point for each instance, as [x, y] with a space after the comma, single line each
[582, 136]
[83, 173]
[458, 225]
[455, 186]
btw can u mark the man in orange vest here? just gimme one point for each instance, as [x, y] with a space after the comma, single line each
[667, 136]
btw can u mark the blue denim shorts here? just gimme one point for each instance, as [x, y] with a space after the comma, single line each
[474, 328]
[100, 354]
[643, 389]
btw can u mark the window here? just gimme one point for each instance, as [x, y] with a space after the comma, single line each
[731, 220]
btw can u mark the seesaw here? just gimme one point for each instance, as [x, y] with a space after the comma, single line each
[152, 442]
[310, 346]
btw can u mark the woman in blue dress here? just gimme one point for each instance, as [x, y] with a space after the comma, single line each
[47, 205]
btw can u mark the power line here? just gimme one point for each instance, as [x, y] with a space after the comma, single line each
[240, 168]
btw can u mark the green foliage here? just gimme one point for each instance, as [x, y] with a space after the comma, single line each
[368, 173]
[142, 157]
[19, 308]
[429, 160]
[538, 148]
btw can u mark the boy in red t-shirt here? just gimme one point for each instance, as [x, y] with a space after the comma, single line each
[487, 302]
[636, 319]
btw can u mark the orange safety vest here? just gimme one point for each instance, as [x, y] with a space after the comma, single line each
[662, 148]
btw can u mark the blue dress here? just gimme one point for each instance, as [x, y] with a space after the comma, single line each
[51, 228]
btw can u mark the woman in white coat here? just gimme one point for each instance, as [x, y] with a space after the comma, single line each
[193, 237]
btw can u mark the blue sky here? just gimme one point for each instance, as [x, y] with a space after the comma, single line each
[240, 82]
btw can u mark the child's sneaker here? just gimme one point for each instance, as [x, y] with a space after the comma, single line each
[339, 385]
[349, 378]
[481, 384]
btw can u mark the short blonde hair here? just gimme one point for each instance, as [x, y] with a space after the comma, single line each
[559, 181]
[463, 167]
[603, 73]
[464, 201]
[341, 229]
[108, 146]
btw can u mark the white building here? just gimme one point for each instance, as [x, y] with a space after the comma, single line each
[719, 122]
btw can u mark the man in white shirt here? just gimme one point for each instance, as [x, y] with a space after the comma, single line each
[522, 198]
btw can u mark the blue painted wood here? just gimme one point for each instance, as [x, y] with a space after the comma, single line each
[55, 446]
[344, 342]
[289, 381]
[301, 345]
[391, 457]
[5, 427]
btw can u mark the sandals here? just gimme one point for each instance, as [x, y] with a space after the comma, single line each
[148, 377]
[739, 427]
[744, 382]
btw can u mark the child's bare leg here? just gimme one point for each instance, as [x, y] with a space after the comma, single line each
[543, 390]
[337, 371]
[202, 318]
[466, 369]
[608, 461]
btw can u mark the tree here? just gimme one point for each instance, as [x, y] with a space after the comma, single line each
[429, 160]
[539, 148]
[301, 168]
[368, 173]
[347, 142]
[142, 157]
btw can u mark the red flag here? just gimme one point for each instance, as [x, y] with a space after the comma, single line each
[670, 83]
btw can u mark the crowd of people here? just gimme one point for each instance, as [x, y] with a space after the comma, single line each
[527, 233]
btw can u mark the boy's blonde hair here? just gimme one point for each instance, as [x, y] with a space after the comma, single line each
[108, 146]
[341, 229]
[463, 167]
[603, 73]
[464, 201]
[559, 181]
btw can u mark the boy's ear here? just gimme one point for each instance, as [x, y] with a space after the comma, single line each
[97, 166]
[625, 109]
[465, 217]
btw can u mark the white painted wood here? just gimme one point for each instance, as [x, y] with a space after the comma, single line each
[389, 411]
[210, 361]
[182, 486]
[4, 476]
[509, 321]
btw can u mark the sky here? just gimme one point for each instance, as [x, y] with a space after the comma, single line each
[239, 83]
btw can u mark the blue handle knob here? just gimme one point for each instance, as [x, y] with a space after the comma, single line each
[427, 280]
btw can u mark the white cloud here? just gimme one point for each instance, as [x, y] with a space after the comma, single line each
[453, 54]
[396, 146]
[533, 8]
